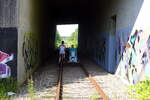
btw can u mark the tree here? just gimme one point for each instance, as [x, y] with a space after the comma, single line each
[73, 39]
[58, 39]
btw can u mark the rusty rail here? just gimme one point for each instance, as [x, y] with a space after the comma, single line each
[59, 86]
[100, 91]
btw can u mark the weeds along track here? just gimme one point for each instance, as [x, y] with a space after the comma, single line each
[75, 83]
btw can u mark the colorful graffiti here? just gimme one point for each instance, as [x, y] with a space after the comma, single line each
[5, 70]
[122, 40]
[8, 45]
[30, 51]
[101, 50]
[134, 60]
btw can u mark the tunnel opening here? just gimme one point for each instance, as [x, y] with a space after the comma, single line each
[67, 33]
[104, 29]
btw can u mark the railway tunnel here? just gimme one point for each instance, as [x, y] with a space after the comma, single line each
[28, 27]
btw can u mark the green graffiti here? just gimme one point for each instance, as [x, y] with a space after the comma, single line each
[30, 51]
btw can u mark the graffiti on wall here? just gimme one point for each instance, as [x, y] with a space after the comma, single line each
[30, 51]
[122, 37]
[134, 62]
[121, 40]
[101, 50]
[5, 70]
[8, 52]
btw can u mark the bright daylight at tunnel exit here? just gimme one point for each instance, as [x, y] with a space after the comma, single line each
[74, 50]
[67, 33]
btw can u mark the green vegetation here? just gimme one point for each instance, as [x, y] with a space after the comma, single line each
[31, 88]
[140, 91]
[95, 96]
[8, 85]
[58, 39]
[71, 40]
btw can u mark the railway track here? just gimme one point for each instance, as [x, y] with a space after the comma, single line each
[78, 89]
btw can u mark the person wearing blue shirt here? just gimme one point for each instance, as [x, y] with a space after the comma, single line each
[73, 54]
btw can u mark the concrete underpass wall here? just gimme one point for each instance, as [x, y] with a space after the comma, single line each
[97, 46]
[82, 39]
[120, 28]
[8, 38]
[117, 46]
[49, 41]
[116, 30]
[111, 30]
[134, 64]
[29, 38]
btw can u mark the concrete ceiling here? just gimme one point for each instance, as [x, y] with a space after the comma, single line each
[67, 3]
[71, 11]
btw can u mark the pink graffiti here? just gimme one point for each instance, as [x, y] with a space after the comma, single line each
[5, 70]
[4, 58]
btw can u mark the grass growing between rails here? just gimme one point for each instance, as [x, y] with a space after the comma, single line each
[140, 91]
[7, 85]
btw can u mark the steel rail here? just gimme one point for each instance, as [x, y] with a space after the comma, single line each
[59, 86]
[100, 91]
